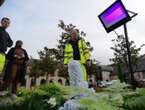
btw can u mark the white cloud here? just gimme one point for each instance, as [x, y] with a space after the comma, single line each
[35, 22]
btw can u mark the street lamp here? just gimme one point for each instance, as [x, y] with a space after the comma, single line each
[113, 17]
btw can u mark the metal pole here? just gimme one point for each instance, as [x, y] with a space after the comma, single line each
[129, 56]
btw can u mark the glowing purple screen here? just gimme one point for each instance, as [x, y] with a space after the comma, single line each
[113, 15]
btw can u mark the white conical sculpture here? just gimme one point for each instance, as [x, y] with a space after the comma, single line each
[76, 80]
[76, 75]
[70, 105]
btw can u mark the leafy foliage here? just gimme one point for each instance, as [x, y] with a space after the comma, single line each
[47, 64]
[34, 68]
[48, 60]
[135, 101]
[53, 96]
[120, 50]
[39, 98]
[120, 59]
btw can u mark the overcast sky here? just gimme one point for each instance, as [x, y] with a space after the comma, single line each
[35, 22]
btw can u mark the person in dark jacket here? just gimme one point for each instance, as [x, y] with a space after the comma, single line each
[16, 66]
[5, 41]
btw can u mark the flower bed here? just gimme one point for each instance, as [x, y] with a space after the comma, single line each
[54, 96]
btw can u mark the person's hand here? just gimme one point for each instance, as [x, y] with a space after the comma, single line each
[88, 63]
[17, 56]
[26, 63]
[65, 66]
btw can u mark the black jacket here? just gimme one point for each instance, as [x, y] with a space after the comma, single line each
[11, 53]
[5, 40]
[76, 51]
[11, 60]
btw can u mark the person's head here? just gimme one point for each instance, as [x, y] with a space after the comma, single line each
[1, 2]
[74, 34]
[5, 22]
[19, 43]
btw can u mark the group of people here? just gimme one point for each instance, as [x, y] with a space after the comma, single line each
[13, 63]
[76, 57]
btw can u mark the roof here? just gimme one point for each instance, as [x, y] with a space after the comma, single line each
[107, 68]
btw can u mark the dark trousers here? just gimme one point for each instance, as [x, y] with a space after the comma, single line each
[13, 77]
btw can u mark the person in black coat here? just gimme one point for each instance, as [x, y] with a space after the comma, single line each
[16, 66]
[5, 41]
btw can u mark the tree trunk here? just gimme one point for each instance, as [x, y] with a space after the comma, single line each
[120, 75]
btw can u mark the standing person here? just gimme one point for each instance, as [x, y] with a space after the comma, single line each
[16, 66]
[5, 41]
[76, 56]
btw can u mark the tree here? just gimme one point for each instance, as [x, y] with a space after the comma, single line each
[48, 60]
[46, 64]
[34, 68]
[120, 54]
[93, 68]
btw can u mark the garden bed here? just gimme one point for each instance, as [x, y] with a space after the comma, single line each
[54, 96]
